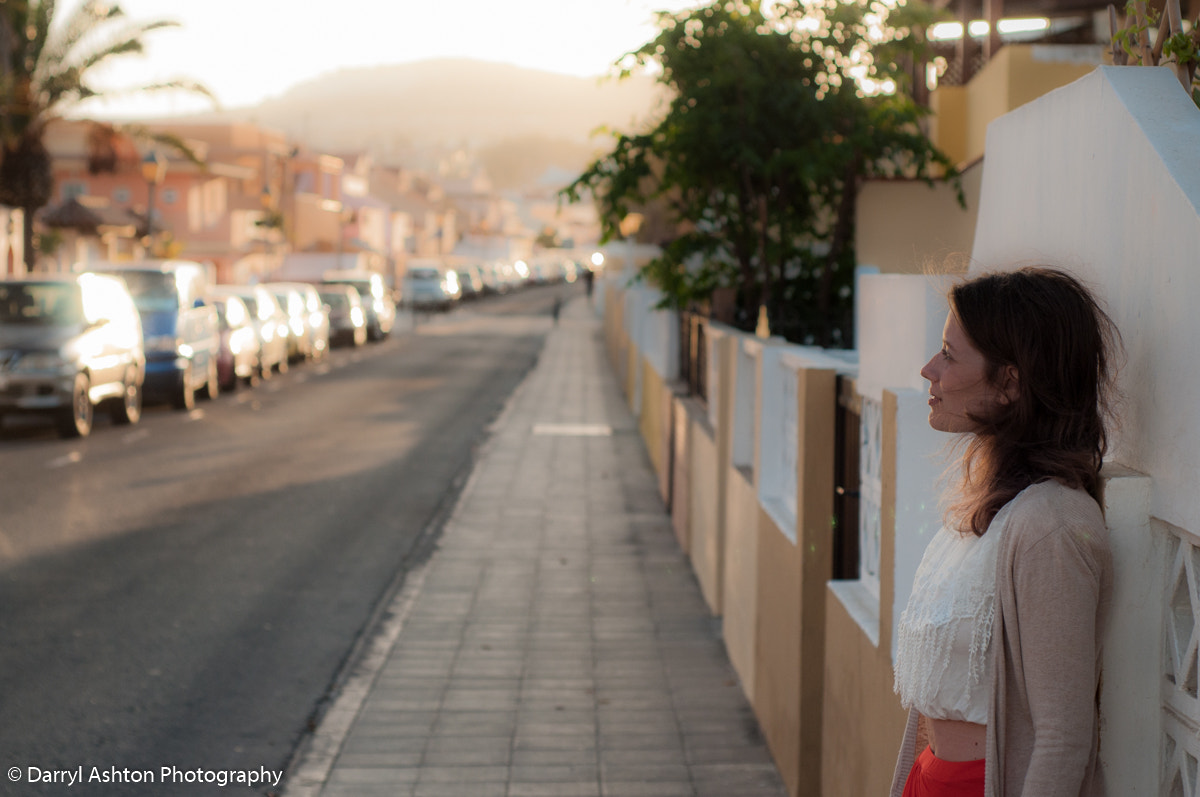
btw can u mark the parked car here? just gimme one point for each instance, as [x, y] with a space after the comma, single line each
[292, 304]
[270, 325]
[378, 305]
[308, 323]
[470, 281]
[430, 288]
[68, 344]
[179, 329]
[490, 276]
[237, 357]
[347, 321]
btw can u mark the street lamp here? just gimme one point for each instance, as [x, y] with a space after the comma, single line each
[154, 169]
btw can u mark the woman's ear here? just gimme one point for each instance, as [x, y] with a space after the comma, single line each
[1010, 384]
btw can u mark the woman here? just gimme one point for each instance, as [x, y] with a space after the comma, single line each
[998, 654]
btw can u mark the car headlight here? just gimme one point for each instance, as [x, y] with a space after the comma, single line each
[162, 343]
[41, 362]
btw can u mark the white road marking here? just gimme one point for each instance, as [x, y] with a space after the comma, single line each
[67, 459]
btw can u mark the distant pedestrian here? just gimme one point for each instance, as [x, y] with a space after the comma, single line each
[589, 279]
[556, 308]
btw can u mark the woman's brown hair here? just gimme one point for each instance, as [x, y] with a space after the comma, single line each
[1047, 325]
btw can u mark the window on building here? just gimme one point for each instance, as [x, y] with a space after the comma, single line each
[169, 196]
[73, 188]
[121, 195]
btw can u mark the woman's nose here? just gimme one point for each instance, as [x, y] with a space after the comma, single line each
[927, 371]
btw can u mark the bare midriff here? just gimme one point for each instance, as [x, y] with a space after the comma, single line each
[953, 740]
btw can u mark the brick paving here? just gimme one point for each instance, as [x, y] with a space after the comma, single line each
[556, 643]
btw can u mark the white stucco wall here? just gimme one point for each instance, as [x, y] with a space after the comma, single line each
[1102, 177]
[923, 460]
[900, 320]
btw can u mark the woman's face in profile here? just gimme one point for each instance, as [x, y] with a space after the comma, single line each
[957, 382]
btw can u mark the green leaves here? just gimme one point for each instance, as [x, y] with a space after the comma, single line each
[775, 120]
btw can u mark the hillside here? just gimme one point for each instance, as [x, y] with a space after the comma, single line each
[403, 111]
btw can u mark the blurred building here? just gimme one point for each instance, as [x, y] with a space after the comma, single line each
[1012, 52]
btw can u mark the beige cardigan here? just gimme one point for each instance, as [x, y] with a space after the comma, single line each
[1053, 587]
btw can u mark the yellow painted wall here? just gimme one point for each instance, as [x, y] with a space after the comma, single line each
[906, 226]
[614, 333]
[739, 619]
[948, 123]
[633, 368]
[707, 540]
[681, 461]
[777, 651]
[1017, 74]
[653, 419]
[863, 722]
[790, 667]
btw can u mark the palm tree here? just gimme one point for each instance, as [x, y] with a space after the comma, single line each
[44, 68]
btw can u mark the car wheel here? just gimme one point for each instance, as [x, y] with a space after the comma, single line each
[76, 420]
[264, 371]
[128, 408]
[185, 394]
[212, 385]
[282, 366]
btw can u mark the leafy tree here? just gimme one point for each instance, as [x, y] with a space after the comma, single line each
[547, 238]
[45, 65]
[776, 118]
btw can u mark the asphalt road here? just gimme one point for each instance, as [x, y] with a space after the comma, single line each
[185, 592]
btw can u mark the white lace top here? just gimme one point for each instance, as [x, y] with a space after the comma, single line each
[942, 665]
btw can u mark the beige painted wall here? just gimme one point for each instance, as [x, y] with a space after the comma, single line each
[862, 722]
[907, 227]
[707, 539]
[1019, 73]
[739, 621]
[777, 652]
[654, 421]
[614, 333]
[681, 442]
[948, 122]
[790, 668]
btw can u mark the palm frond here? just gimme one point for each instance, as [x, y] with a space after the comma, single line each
[84, 21]
[128, 39]
[172, 141]
[38, 30]
[82, 92]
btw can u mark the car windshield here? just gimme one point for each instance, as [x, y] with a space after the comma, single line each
[334, 300]
[56, 304]
[424, 274]
[153, 291]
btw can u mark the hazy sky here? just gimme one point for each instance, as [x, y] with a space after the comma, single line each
[246, 50]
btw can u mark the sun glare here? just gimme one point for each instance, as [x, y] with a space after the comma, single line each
[978, 28]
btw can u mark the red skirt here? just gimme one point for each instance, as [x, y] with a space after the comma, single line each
[933, 777]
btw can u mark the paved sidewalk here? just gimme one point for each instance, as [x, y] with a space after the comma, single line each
[556, 643]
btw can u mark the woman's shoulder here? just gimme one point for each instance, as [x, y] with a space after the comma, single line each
[1051, 510]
